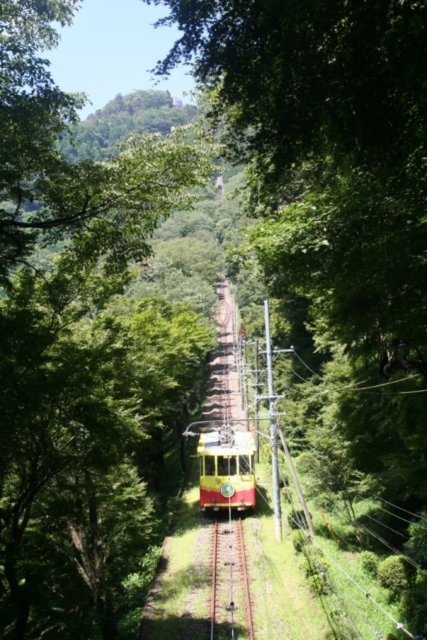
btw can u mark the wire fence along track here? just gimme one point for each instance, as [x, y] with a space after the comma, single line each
[230, 606]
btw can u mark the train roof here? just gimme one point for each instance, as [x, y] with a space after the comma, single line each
[212, 443]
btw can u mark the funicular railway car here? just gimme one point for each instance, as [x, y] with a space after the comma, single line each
[227, 472]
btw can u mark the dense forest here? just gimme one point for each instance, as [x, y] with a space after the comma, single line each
[111, 239]
[326, 105]
[103, 345]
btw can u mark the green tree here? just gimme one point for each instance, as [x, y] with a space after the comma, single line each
[33, 112]
[112, 207]
[192, 257]
[328, 106]
[345, 78]
[141, 112]
[43, 197]
[92, 391]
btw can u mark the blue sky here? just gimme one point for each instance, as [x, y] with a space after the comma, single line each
[110, 49]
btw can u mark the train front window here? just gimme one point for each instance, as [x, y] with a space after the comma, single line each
[209, 466]
[227, 465]
[244, 465]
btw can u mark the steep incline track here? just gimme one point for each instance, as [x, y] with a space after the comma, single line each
[223, 400]
[230, 598]
[219, 557]
[230, 604]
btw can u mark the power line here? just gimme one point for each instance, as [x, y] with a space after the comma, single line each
[386, 526]
[306, 365]
[353, 388]
[402, 509]
[299, 525]
[321, 570]
[389, 546]
[416, 524]
[399, 625]
[315, 452]
[363, 389]
[383, 541]
[313, 560]
[301, 378]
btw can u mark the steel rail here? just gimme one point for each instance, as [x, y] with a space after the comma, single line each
[246, 583]
[240, 578]
[223, 321]
[213, 583]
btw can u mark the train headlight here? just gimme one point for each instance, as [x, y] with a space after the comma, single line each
[227, 490]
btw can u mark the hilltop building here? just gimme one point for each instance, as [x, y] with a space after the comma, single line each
[177, 102]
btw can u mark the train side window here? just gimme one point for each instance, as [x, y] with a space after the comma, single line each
[209, 466]
[244, 466]
[227, 465]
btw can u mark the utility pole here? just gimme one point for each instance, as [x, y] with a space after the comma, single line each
[273, 439]
[239, 382]
[233, 327]
[256, 400]
[242, 372]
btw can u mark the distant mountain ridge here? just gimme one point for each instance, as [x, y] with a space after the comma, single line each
[141, 112]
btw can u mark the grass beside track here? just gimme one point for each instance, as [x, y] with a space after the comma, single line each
[283, 607]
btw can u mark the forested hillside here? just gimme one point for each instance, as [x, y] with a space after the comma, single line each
[141, 112]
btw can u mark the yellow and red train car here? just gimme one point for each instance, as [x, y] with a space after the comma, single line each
[227, 471]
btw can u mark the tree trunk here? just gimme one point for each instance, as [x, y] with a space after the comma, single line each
[104, 605]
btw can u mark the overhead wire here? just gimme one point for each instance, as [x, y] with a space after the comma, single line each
[305, 444]
[306, 365]
[386, 526]
[399, 625]
[394, 515]
[388, 545]
[384, 611]
[402, 509]
[367, 594]
[416, 524]
[320, 569]
[312, 559]
[353, 387]
[301, 378]
[357, 388]
[382, 540]
[347, 542]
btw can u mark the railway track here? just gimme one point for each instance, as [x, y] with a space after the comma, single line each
[222, 590]
[230, 603]
[230, 607]
[224, 345]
